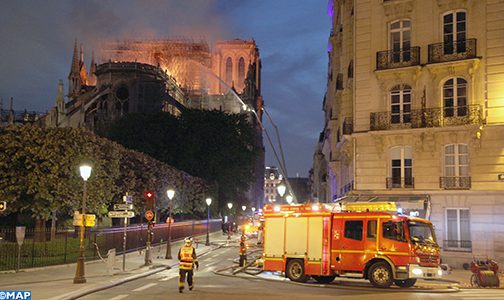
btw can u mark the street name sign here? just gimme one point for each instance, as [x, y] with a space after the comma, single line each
[121, 214]
[123, 206]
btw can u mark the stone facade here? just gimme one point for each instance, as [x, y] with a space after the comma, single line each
[414, 113]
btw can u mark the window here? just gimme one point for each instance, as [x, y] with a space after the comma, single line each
[456, 166]
[241, 70]
[401, 167]
[400, 41]
[454, 32]
[353, 230]
[458, 231]
[394, 231]
[455, 97]
[371, 229]
[229, 71]
[400, 104]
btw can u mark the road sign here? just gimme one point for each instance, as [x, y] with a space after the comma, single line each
[90, 219]
[121, 214]
[149, 215]
[3, 205]
[20, 234]
[128, 199]
[123, 206]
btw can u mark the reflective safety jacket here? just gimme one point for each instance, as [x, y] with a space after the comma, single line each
[243, 248]
[187, 257]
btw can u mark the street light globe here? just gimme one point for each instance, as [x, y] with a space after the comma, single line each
[85, 171]
[244, 207]
[289, 198]
[253, 209]
[208, 201]
[230, 205]
[170, 193]
[281, 189]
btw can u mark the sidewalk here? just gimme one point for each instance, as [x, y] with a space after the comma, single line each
[56, 282]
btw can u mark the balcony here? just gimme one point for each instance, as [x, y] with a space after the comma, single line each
[427, 118]
[443, 52]
[455, 183]
[391, 59]
[457, 245]
[400, 182]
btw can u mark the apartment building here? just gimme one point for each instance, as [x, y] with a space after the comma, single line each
[414, 113]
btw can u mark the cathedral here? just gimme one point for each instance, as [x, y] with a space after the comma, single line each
[170, 75]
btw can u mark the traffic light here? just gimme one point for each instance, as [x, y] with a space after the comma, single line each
[149, 197]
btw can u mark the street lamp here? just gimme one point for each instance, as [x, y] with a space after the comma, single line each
[170, 193]
[288, 198]
[244, 207]
[208, 202]
[229, 205]
[253, 209]
[85, 173]
[281, 190]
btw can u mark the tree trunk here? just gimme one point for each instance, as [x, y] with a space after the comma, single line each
[53, 225]
[39, 230]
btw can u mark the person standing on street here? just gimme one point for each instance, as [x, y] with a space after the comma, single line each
[187, 257]
[243, 251]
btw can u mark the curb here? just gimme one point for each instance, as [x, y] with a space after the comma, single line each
[419, 290]
[91, 290]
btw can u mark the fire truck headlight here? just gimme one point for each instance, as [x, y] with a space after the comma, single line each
[440, 272]
[277, 208]
[417, 271]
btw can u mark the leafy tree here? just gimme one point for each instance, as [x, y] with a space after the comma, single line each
[212, 145]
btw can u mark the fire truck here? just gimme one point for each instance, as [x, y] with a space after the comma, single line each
[359, 240]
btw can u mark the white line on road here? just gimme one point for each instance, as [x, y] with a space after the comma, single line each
[144, 287]
[482, 297]
[166, 278]
[118, 297]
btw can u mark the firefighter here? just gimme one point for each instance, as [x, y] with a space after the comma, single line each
[187, 257]
[243, 250]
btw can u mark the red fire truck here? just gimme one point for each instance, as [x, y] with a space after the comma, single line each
[363, 240]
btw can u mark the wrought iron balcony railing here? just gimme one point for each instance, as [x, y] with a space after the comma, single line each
[400, 182]
[426, 118]
[455, 183]
[457, 245]
[391, 59]
[442, 52]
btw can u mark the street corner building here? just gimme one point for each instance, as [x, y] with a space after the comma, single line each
[149, 76]
[414, 113]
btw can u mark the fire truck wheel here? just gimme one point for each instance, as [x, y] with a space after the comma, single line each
[380, 275]
[295, 271]
[406, 283]
[324, 279]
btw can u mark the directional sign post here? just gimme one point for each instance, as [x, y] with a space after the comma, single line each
[123, 206]
[121, 214]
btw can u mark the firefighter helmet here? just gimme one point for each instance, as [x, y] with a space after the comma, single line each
[188, 241]
[242, 238]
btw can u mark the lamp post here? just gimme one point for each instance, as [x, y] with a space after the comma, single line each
[208, 202]
[170, 193]
[281, 190]
[289, 199]
[229, 205]
[253, 209]
[85, 172]
[244, 207]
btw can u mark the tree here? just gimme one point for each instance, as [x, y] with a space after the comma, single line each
[213, 145]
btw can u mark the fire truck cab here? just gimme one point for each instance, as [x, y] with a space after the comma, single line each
[363, 240]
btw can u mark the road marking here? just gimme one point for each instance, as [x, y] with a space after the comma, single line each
[144, 287]
[118, 297]
[483, 297]
[166, 278]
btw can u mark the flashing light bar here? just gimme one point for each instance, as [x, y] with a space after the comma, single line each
[367, 206]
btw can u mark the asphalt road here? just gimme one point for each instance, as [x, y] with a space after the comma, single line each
[208, 285]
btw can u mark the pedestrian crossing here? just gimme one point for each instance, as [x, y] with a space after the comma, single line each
[480, 294]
